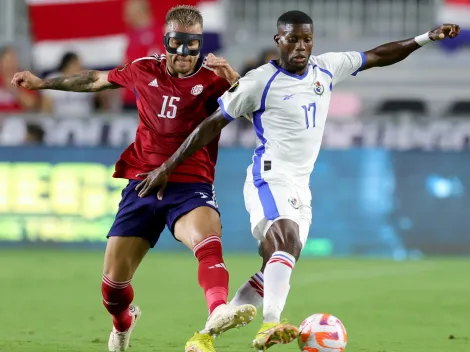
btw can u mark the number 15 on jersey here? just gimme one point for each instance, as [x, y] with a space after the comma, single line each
[310, 112]
[168, 107]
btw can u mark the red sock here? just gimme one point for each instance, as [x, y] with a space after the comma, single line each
[117, 297]
[212, 274]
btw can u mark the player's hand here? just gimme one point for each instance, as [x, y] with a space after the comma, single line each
[221, 68]
[445, 31]
[155, 180]
[26, 80]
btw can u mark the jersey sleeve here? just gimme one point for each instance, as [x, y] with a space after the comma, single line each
[123, 76]
[341, 65]
[244, 97]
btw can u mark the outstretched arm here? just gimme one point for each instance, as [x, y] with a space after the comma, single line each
[85, 81]
[201, 136]
[391, 53]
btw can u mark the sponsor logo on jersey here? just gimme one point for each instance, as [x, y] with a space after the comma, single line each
[294, 202]
[318, 88]
[197, 89]
[288, 96]
[154, 83]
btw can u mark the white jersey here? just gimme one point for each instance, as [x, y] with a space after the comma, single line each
[288, 113]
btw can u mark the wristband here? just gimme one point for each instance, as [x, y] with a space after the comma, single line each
[423, 39]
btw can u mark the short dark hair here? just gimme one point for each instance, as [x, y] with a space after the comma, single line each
[294, 17]
[66, 60]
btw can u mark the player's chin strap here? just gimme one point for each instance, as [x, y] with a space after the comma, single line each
[184, 39]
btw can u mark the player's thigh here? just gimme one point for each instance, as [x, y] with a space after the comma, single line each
[197, 225]
[139, 217]
[122, 257]
[269, 202]
[196, 215]
[136, 228]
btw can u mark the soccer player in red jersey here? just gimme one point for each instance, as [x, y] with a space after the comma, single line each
[175, 93]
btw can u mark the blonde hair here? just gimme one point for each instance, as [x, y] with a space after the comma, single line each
[185, 15]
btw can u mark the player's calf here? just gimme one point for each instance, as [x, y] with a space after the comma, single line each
[117, 297]
[200, 231]
[251, 292]
[122, 257]
[281, 249]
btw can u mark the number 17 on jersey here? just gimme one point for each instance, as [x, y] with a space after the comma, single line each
[307, 108]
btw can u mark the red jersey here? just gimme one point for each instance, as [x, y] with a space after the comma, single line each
[170, 108]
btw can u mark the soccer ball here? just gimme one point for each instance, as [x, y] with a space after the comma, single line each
[322, 333]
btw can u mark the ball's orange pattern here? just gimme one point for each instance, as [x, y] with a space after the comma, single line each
[321, 333]
[310, 349]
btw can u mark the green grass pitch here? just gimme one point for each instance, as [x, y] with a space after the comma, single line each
[51, 301]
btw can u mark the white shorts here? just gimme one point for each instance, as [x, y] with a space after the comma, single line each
[270, 201]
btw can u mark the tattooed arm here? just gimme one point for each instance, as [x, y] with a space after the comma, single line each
[85, 81]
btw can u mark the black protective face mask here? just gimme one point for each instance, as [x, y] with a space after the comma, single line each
[184, 38]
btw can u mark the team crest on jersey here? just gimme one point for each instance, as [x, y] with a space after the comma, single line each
[197, 89]
[294, 202]
[318, 88]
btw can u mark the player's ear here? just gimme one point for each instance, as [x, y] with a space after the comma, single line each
[276, 39]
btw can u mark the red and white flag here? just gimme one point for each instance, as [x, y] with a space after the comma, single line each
[96, 30]
[455, 11]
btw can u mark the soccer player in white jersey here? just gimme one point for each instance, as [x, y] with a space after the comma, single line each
[288, 102]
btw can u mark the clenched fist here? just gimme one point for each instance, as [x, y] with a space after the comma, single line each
[445, 31]
[26, 80]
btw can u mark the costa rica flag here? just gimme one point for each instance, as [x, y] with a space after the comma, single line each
[96, 30]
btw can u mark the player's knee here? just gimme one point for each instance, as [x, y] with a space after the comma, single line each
[198, 238]
[119, 270]
[283, 236]
[197, 225]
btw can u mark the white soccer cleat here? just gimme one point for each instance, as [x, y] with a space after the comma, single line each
[119, 341]
[226, 317]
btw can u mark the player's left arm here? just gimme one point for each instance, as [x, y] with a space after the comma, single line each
[391, 53]
[204, 133]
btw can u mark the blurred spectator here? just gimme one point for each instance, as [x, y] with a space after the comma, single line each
[11, 98]
[34, 134]
[263, 58]
[69, 104]
[268, 55]
[145, 38]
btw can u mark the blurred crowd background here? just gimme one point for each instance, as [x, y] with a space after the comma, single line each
[394, 175]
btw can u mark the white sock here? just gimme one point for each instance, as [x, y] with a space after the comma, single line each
[276, 285]
[251, 292]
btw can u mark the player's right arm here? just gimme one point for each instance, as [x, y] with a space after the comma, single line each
[242, 98]
[85, 81]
